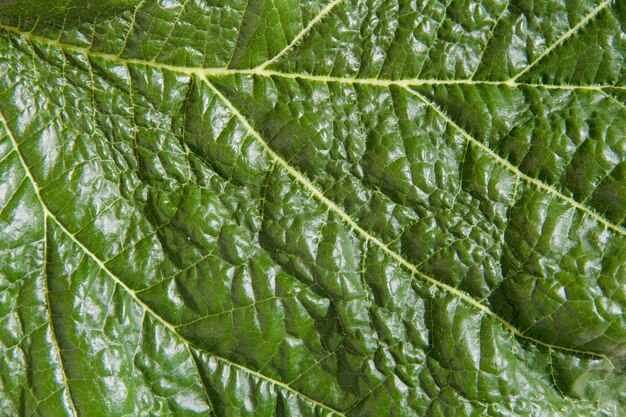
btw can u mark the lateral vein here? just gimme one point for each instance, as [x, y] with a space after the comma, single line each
[48, 214]
[302, 34]
[516, 171]
[299, 177]
[261, 72]
[563, 38]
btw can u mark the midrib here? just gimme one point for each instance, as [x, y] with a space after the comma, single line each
[205, 73]
[262, 72]
[405, 83]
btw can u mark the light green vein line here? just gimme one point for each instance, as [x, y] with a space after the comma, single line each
[203, 73]
[218, 72]
[612, 98]
[371, 238]
[563, 38]
[53, 335]
[120, 282]
[301, 35]
[535, 182]
[407, 82]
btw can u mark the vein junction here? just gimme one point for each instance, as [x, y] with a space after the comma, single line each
[206, 73]
[261, 71]
[405, 83]
[47, 214]
[308, 185]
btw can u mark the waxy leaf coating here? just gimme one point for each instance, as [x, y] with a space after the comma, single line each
[312, 208]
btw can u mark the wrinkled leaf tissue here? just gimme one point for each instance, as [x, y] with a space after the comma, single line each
[312, 208]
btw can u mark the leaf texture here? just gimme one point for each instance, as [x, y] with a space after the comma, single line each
[339, 208]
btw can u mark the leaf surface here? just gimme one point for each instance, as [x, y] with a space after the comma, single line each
[350, 208]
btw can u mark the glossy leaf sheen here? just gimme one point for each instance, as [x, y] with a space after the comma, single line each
[308, 208]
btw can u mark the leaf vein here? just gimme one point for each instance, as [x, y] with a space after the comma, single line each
[48, 214]
[515, 170]
[301, 34]
[217, 72]
[563, 38]
[53, 332]
[299, 177]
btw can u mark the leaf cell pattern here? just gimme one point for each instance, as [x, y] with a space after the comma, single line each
[348, 208]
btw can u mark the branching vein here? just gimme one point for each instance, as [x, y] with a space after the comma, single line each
[261, 72]
[49, 215]
[302, 34]
[563, 38]
[533, 181]
[308, 185]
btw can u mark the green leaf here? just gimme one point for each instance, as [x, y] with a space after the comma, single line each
[281, 208]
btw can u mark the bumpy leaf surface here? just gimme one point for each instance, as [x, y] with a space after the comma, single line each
[309, 208]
